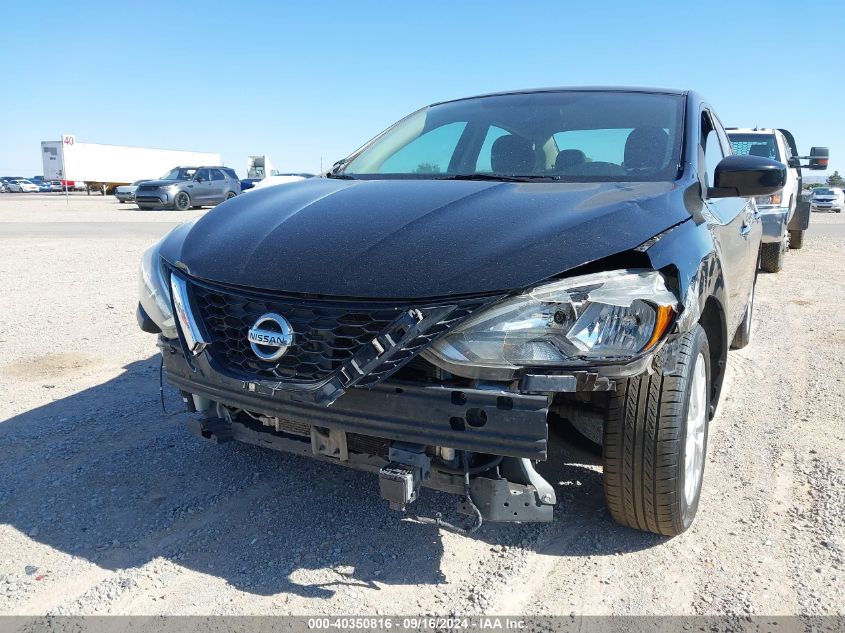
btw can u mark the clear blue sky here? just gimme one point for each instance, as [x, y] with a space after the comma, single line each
[304, 80]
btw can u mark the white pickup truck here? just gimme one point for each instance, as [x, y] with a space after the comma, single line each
[785, 217]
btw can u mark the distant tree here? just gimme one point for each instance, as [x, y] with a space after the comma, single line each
[427, 168]
[835, 180]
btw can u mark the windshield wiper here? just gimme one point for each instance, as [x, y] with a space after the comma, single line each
[334, 172]
[499, 177]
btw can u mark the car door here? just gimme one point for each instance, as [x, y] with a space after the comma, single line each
[737, 229]
[218, 186]
[200, 189]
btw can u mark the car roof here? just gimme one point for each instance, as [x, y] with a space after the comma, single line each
[641, 89]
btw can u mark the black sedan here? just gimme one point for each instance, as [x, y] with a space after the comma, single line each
[483, 270]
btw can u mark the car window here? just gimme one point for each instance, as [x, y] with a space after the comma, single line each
[575, 136]
[216, 174]
[203, 174]
[484, 161]
[712, 148]
[429, 153]
[727, 148]
[605, 145]
[763, 145]
[230, 173]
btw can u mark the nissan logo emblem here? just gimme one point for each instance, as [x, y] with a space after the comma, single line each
[270, 337]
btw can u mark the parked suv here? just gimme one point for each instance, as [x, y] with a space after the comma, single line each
[485, 269]
[183, 188]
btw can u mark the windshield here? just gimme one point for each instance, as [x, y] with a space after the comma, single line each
[180, 173]
[755, 145]
[569, 135]
[823, 192]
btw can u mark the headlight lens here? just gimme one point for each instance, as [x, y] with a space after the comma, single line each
[607, 316]
[774, 199]
[153, 291]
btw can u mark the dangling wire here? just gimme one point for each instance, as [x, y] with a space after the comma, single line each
[438, 517]
[161, 382]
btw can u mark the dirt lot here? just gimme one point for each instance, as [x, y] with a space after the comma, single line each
[109, 506]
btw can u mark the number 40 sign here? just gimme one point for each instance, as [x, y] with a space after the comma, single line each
[68, 139]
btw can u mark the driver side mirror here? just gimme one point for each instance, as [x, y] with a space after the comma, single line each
[744, 176]
[198, 179]
[794, 162]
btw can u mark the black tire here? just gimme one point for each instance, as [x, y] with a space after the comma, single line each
[743, 333]
[773, 256]
[230, 195]
[144, 207]
[182, 201]
[796, 239]
[645, 443]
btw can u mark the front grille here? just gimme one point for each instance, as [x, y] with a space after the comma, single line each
[326, 334]
[147, 187]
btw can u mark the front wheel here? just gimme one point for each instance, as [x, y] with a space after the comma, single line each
[230, 195]
[655, 442]
[796, 239]
[182, 201]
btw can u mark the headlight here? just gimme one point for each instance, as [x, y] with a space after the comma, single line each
[153, 291]
[606, 316]
[774, 199]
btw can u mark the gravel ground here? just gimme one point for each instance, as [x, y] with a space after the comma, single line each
[109, 506]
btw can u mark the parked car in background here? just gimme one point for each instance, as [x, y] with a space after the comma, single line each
[56, 185]
[79, 185]
[478, 273]
[827, 199]
[281, 179]
[44, 187]
[185, 187]
[781, 230]
[126, 193]
[3, 188]
[22, 185]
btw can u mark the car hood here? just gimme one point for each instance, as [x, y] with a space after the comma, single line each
[418, 238]
[161, 183]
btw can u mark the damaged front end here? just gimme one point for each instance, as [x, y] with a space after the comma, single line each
[456, 395]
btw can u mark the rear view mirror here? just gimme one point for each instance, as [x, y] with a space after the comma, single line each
[795, 162]
[819, 157]
[743, 176]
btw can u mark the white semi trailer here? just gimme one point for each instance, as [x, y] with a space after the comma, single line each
[104, 167]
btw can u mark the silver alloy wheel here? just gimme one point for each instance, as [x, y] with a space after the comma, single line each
[696, 423]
